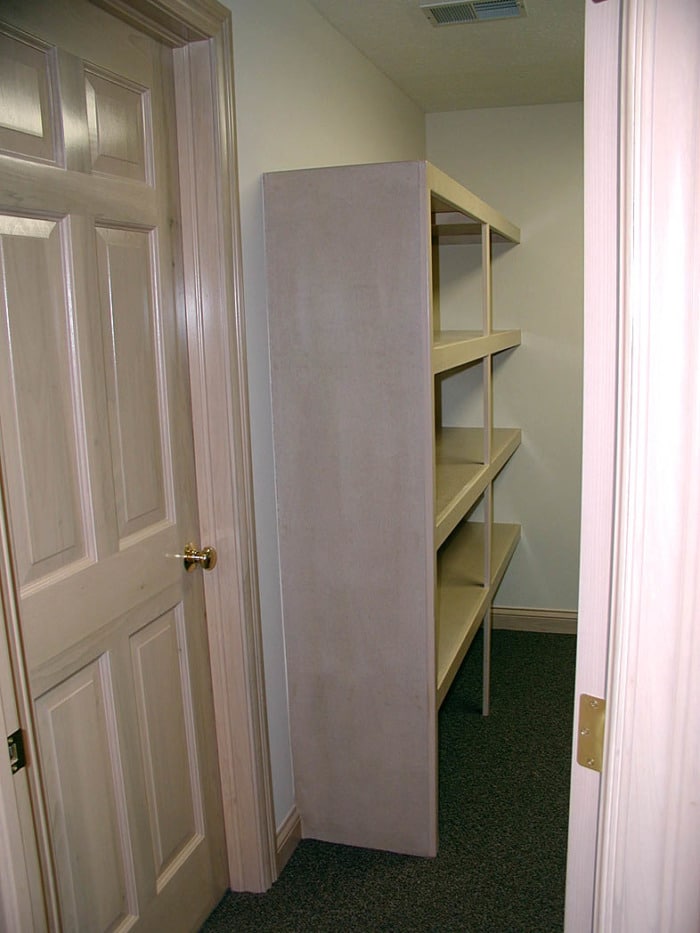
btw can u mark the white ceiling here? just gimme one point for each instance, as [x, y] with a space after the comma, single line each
[537, 59]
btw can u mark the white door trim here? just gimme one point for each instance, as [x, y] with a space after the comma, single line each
[649, 838]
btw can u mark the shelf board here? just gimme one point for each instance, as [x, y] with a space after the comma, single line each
[461, 475]
[448, 196]
[462, 600]
[456, 229]
[450, 228]
[456, 232]
[503, 545]
[454, 348]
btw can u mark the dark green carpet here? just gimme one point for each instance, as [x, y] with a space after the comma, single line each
[504, 784]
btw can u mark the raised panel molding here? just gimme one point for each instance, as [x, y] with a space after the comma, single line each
[126, 263]
[86, 800]
[119, 126]
[41, 420]
[168, 742]
[27, 83]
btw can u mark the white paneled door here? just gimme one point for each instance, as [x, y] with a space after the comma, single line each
[97, 468]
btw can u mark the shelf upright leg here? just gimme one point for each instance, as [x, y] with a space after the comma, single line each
[435, 322]
[487, 325]
[487, 278]
[486, 688]
[488, 526]
[434, 270]
[488, 441]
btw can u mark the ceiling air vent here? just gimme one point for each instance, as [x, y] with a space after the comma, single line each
[449, 13]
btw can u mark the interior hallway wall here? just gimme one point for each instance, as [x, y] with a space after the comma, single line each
[304, 97]
[528, 163]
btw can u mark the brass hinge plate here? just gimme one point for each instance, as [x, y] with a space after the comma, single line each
[15, 747]
[591, 731]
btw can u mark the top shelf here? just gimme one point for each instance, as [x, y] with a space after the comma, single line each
[458, 210]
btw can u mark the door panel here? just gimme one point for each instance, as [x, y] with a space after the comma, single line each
[27, 77]
[97, 459]
[38, 372]
[117, 116]
[86, 799]
[166, 728]
[127, 260]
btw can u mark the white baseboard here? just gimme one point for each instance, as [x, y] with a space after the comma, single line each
[555, 621]
[288, 837]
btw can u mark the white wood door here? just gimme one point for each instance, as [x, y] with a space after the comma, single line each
[98, 470]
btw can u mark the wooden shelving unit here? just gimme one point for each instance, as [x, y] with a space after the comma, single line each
[389, 554]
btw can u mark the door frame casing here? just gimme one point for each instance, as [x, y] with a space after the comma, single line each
[200, 34]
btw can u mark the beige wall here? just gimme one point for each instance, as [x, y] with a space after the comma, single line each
[304, 97]
[528, 163]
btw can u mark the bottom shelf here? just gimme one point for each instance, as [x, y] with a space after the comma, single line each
[462, 599]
